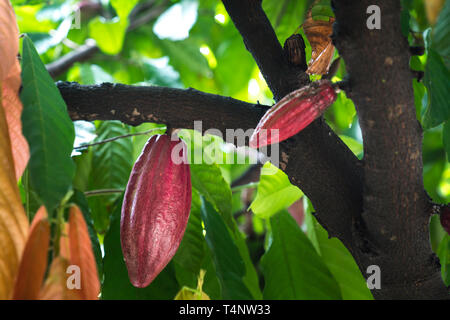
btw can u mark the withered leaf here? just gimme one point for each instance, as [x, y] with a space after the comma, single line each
[318, 33]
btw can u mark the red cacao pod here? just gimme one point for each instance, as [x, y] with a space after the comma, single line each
[293, 113]
[445, 218]
[155, 209]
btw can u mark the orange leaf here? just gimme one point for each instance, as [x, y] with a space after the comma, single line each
[13, 109]
[64, 246]
[81, 254]
[13, 221]
[55, 287]
[10, 83]
[34, 259]
[9, 39]
[318, 33]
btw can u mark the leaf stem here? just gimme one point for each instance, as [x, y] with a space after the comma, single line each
[100, 192]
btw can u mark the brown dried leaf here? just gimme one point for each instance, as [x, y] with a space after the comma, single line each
[34, 259]
[9, 39]
[55, 287]
[13, 221]
[82, 256]
[13, 110]
[318, 33]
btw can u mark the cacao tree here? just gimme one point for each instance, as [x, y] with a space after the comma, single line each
[130, 168]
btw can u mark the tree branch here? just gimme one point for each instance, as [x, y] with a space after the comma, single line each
[178, 108]
[316, 159]
[395, 204]
[63, 64]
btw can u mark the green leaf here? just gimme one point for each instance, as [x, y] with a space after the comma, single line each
[139, 141]
[321, 10]
[93, 74]
[116, 284]
[251, 277]
[111, 167]
[229, 265]
[208, 180]
[206, 175]
[83, 165]
[446, 137]
[48, 130]
[437, 82]
[291, 266]
[340, 263]
[123, 7]
[108, 34]
[275, 192]
[441, 34]
[444, 257]
[227, 54]
[342, 111]
[286, 15]
[185, 57]
[191, 251]
[79, 199]
[354, 145]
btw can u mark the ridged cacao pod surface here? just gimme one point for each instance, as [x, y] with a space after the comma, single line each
[155, 209]
[293, 113]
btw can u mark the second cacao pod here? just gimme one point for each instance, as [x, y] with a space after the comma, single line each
[155, 209]
[293, 113]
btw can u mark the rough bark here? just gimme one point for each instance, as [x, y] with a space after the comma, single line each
[396, 207]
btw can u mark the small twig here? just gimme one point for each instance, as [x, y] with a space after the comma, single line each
[82, 53]
[119, 137]
[101, 192]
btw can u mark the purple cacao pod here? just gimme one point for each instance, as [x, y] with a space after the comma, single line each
[155, 208]
[293, 113]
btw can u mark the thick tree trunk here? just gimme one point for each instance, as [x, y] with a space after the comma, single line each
[395, 206]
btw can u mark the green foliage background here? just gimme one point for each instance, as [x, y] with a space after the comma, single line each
[276, 259]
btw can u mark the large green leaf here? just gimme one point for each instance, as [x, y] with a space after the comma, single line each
[108, 34]
[206, 175]
[339, 261]
[208, 180]
[444, 257]
[291, 266]
[48, 129]
[228, 262]
[93, 74]
[437, 82]
[446, 136]
[441, 34]
[123, 7]
[191, 251]
[231, 81]
[110, 169]
[251, 277]
[83, 165]
[286, 15]
[275, 192]
[116, 284]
